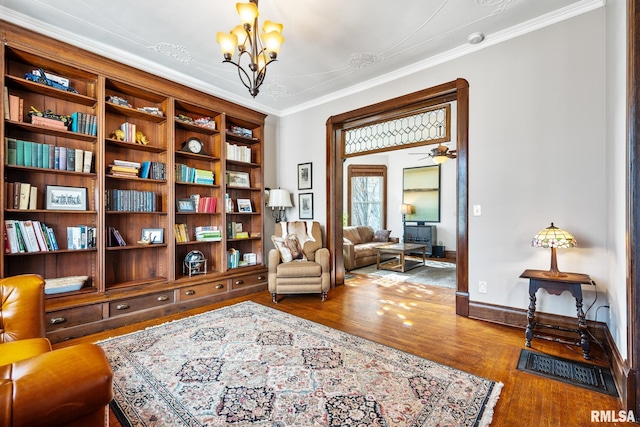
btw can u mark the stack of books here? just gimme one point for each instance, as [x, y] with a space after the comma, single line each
[48, 122]
[124, 168]
[188, 174]
[208, 233]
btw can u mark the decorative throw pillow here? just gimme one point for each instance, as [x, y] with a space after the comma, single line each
[381, 235]
[289, 248]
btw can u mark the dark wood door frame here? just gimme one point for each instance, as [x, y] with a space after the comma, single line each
[457, 90]
[632, 398]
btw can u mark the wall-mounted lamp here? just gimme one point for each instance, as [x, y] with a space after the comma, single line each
[405, 209]
[279, 200]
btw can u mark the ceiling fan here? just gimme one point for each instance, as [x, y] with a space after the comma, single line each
[440, 154]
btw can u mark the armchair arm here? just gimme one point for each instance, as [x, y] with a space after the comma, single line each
[394, 240]
[322, 258]
[62, 385]
[21, 314]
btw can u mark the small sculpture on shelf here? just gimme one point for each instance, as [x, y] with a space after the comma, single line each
[141, 139]
[117, 134]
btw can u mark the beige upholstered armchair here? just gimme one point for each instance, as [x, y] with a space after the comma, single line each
[299, 264]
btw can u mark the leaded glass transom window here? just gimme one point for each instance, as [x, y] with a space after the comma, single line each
[426, 127]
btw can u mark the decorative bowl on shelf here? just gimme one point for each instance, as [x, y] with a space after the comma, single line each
[64, 284]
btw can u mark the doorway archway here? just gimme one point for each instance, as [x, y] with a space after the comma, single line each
[457, 90]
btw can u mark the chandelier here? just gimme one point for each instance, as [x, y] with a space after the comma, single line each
[258, 51]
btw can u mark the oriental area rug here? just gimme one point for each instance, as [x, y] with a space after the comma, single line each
[248, 364]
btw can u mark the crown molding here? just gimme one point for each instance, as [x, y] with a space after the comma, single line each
[538, 23]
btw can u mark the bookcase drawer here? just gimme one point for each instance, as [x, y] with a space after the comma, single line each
[203, 290]
[126, 306]
[72, 317]
[248, 280]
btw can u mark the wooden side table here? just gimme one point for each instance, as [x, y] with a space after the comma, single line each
[555, 285]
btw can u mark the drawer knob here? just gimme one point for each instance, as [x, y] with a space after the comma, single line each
[163, 298]
[219, 286]
[190, 292]
[122, 306]
[260, 277]
[57, 320]
[239, 282]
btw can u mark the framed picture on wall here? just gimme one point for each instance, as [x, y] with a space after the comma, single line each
[421, 190]
[305, 206]
[304, 176]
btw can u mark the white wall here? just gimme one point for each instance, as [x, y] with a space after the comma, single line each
[536, 154]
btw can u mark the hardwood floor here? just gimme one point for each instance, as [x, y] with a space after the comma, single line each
[421, 320]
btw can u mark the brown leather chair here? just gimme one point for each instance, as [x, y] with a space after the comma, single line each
[39, 386]
[310, 273]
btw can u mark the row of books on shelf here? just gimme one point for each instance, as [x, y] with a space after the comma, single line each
[240, 153]
[235, 259]
[146, 170]
[47, 156]
[114, 238]
[81, 237]
[130, 200]
[84, 123]
[34, 236]
[28, 236]
[188, 174]
[204, 204]
[21, 195]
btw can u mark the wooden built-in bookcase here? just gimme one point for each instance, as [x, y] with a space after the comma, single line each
[136, 281]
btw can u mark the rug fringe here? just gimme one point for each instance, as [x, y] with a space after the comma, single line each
[487, 416]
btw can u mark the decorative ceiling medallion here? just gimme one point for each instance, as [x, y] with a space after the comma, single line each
[491, 3]
[174, 51]
[276, 90]
[363, 60]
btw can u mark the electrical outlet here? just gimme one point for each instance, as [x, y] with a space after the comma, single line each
[482, 287]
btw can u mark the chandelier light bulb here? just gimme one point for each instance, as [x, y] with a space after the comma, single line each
[248, 12]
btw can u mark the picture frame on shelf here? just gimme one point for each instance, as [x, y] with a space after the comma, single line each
[304, 176]
[185, 205]
[305, 206]
[238, 179]
[153, 235]
[65, 198]
[244, 205]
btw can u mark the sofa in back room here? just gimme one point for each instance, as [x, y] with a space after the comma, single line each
[360, 243]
